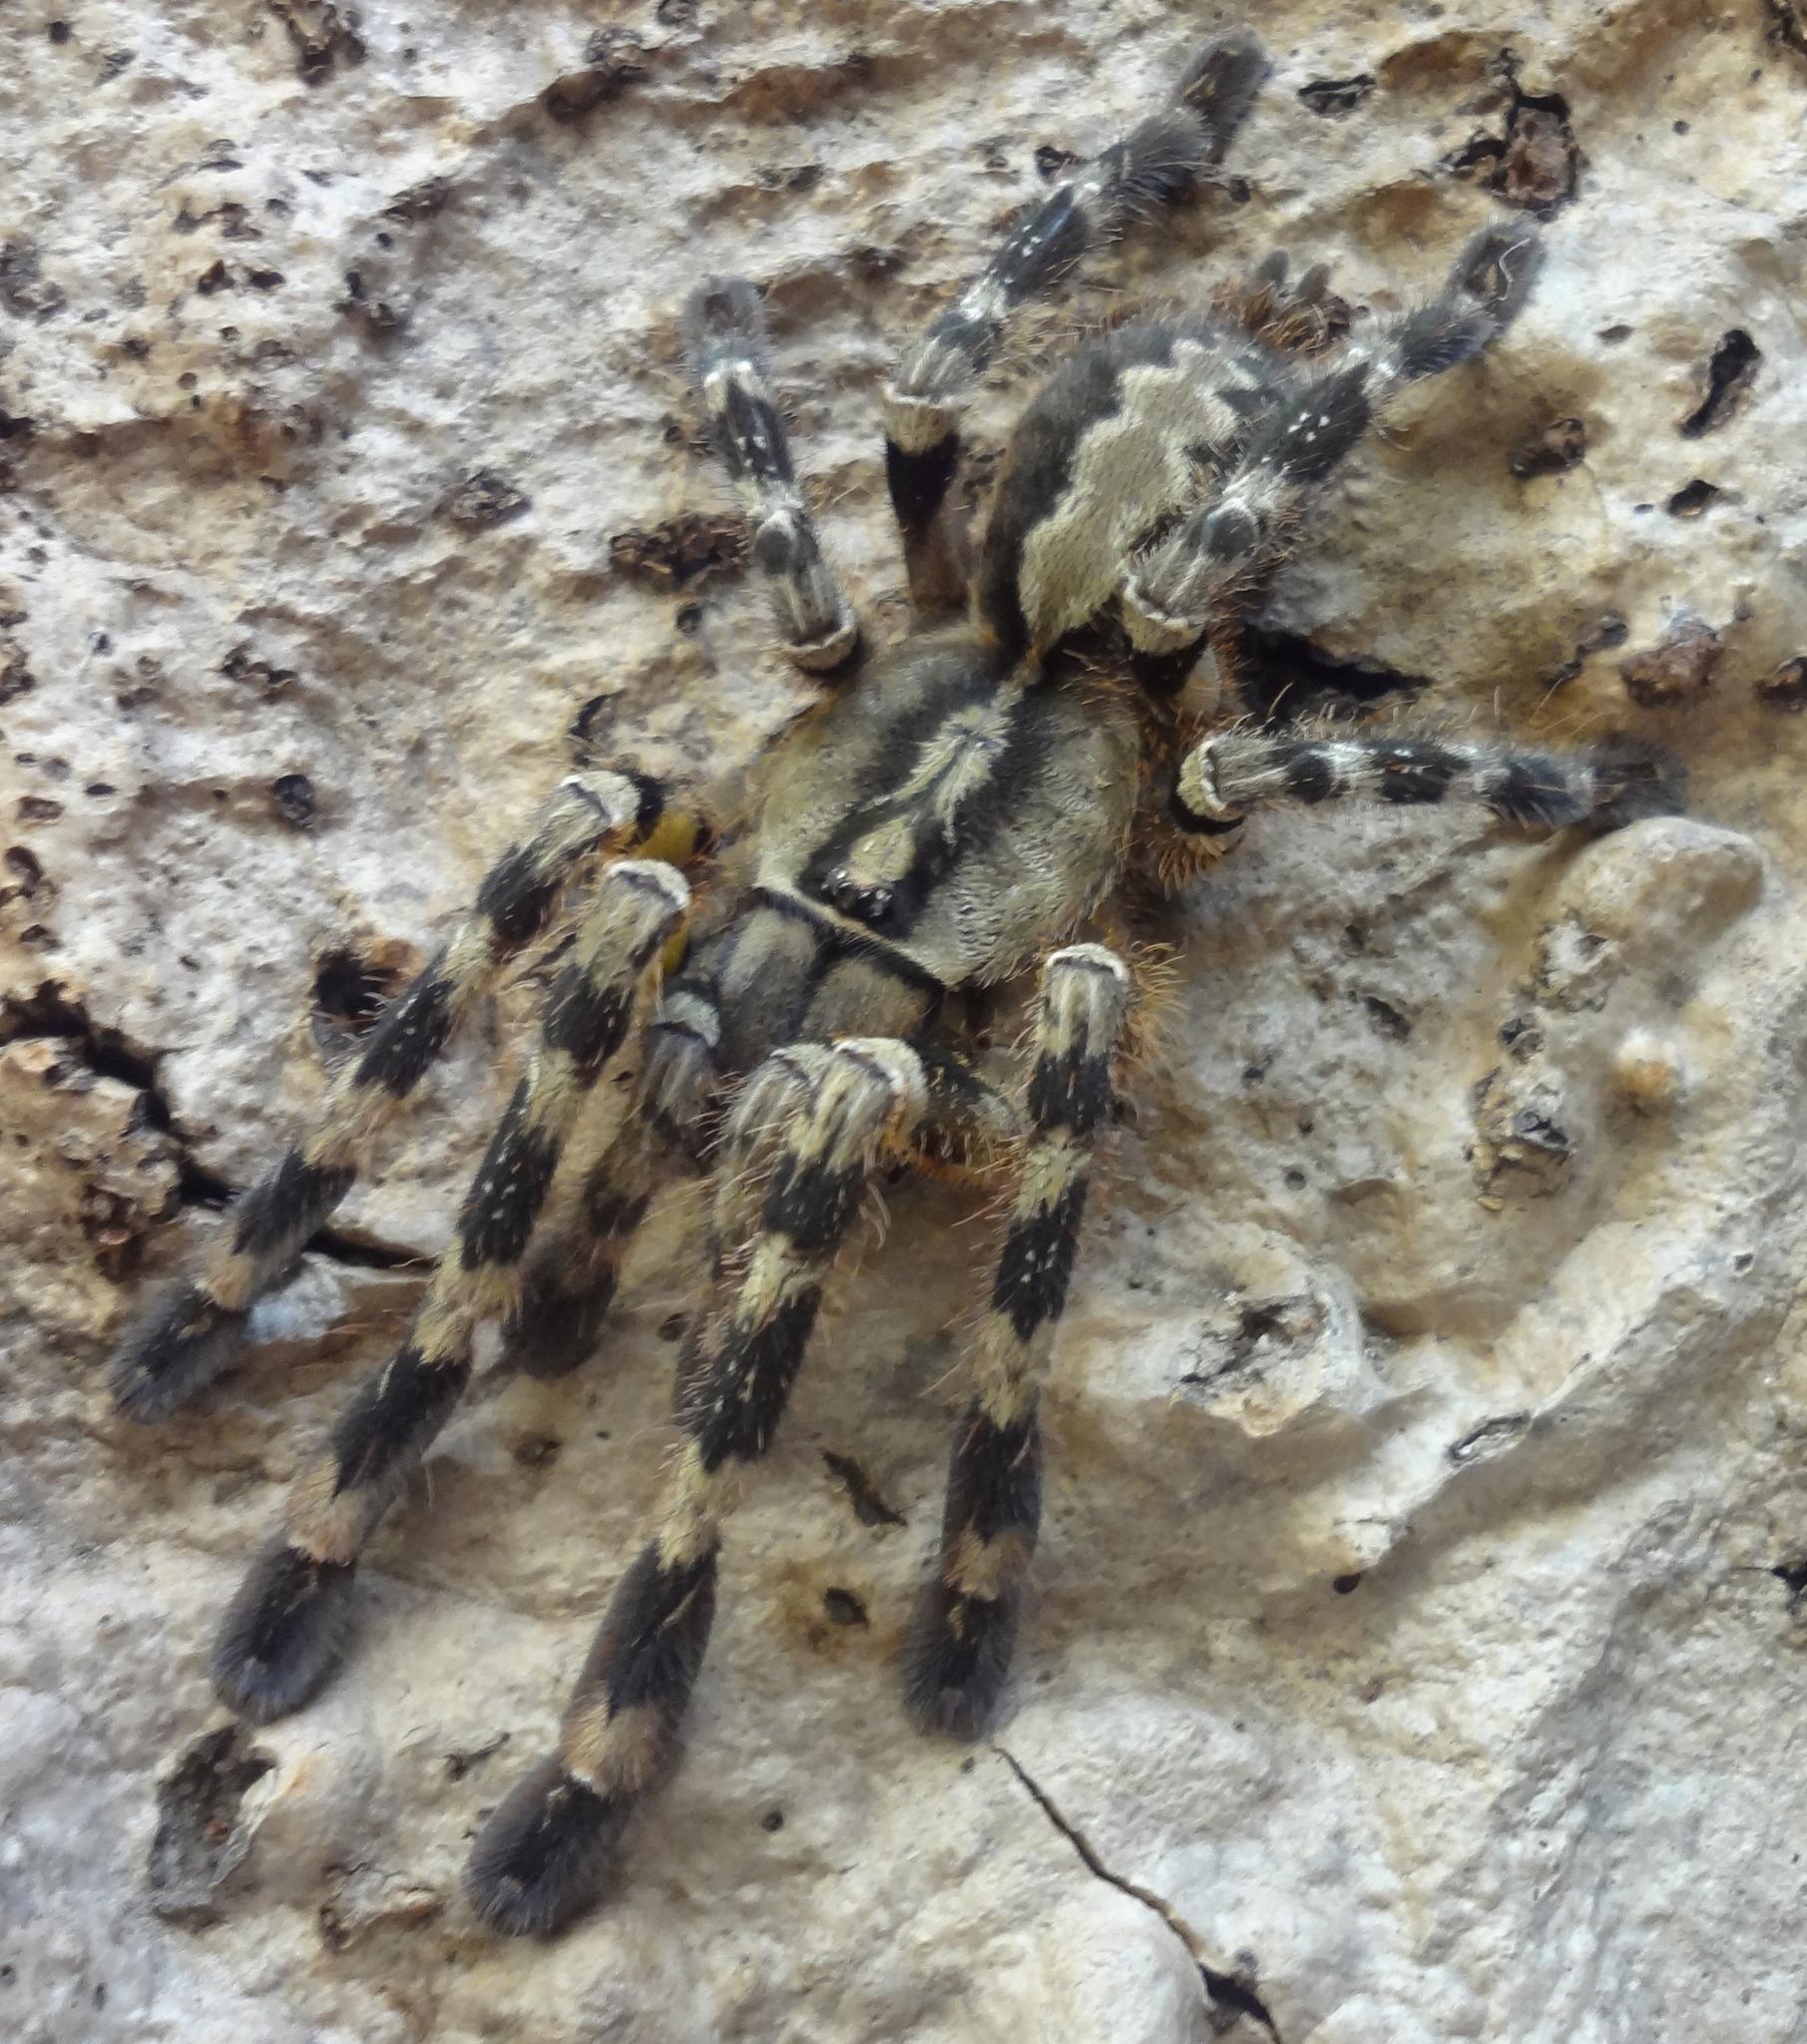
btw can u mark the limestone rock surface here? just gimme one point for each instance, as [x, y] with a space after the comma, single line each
[1414, 1654]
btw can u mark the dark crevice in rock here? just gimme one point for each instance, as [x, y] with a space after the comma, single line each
[1491, 1437]
[364, 1252]
[1729, 374]
[52, 1012]
[200, 1834]
[1231, 1997]
[1794, 1575]
[1611, 631]
[869, 1508]
[1693, 498]
[1337, 94]
[1283, 678]
[349, 992]
[613, 60]
[1535, 164]
[1786, 689]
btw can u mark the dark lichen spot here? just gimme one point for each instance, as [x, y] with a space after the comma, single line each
[613, 60]
[1786, 689]
[844, 1608]
[869, 1508]
[691, 547]
[1387, 1018]
[485, 499]
[1676, 670]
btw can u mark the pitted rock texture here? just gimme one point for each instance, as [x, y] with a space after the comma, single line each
[1414, 1654]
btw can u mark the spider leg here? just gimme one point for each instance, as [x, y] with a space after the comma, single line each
[574, 1264]
[727, 344]
[285, 1629]
[959, 1650]
[1294, 316]
[547, 1850]
[1156, 163]
[1173, 590]
[194, 1327]
[1612, 783]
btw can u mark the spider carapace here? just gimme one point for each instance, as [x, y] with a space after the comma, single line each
[951, 813]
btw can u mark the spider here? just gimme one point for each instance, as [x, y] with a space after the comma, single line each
[1055, 729]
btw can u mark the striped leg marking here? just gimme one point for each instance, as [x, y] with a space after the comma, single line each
[547, 1853]
[1613, 784]
[959, 1650]
[574, 1265]
[285, 1629]
[1172, 591]
[196, 1326]
[1156, 164]
[727, 340]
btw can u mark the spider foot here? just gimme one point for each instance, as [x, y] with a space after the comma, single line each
[1633, 780]
[957, 1658]
[176, 1349]
[554, 1330]
[283, 1632]
[546, 1853]
[1299, 316]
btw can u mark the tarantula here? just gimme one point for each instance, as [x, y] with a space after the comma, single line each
[1053, 727]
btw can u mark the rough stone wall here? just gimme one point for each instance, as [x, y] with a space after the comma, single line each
[1414, 1634]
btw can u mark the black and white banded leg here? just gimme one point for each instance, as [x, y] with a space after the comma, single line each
[196, 1326]
[725, 336]
[1612, 783]
[1218, 552]
[548, 1848]
[1156, 163]
[959, 1650]
[615, 1171]
[287, 1626]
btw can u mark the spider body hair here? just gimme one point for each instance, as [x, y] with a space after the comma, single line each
[1057, 725]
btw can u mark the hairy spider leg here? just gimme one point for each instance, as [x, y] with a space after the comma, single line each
[959, 1649]
[1172, 591]
[547, 1850]
[196, 1326]
[1158, 162]
[610, 1175]
[1609, 784]
[730, 354]
[286, 1627]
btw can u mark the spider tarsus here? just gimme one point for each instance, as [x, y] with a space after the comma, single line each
[554, 1330]
[957, 1659]
[1634, 779]
[1498, 267]
[723, 314]
[173, 1350]
[1221, 83]
[545, 1854]
[283, 1633]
